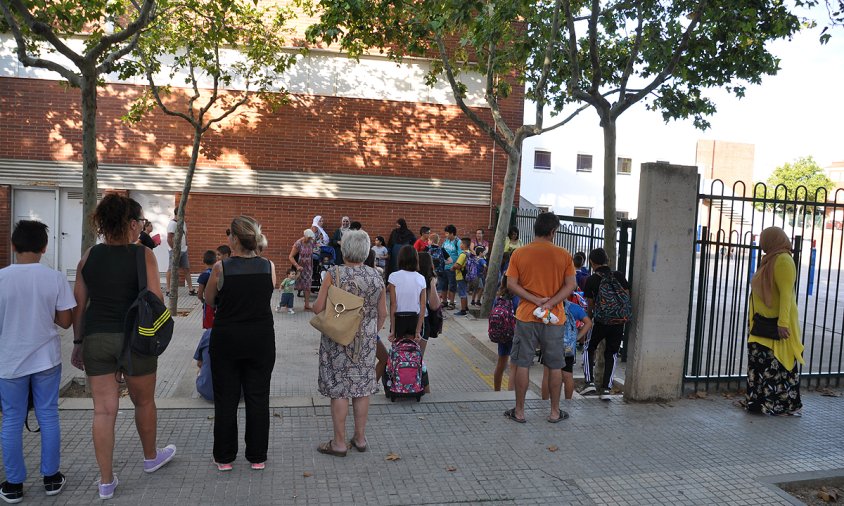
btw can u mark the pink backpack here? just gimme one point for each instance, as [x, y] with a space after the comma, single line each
[502, 321]
[403, 377]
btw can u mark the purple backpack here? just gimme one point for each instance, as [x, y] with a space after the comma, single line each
[502, 321]
[404, 370]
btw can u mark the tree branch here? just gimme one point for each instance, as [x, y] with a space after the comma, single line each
[486, 127]
[108, 64]
[561, 123]
[228, 112]
[630, 99]
[574, 79]
[123, 35]
[491, 98]
[546, 65]
[594, 58]
[634, 54]
[157, 96]
[42, 30]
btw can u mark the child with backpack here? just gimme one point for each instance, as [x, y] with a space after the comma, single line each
[465, 264]
[608, 295]
[476, 281]
[577, 327]
[502, 324]
[32, 297]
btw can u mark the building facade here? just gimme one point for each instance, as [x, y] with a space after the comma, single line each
[363, 139]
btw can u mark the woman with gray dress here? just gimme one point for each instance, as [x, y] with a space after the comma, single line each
[348, 372]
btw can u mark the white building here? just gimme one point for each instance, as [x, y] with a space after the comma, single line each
[563, 170]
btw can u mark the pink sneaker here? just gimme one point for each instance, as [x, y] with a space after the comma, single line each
[223, 467]
[259, 466]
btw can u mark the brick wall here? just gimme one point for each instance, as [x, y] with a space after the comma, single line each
[5, 225]
[283, 220]
[41, 120]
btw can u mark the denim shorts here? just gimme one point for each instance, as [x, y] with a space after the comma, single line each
[451, 278]
[462, 289]
[504, 349]
[442, 282]
[286, 300]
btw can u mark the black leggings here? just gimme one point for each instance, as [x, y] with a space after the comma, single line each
[612, 334]
[242, 360]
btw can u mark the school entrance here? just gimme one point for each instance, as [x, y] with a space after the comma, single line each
[726, 254]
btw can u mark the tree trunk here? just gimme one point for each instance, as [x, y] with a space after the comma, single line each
[175, 282]
[514, 159]
[608, 125]
[89, 157]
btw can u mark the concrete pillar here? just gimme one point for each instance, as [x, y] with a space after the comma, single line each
[661, 281]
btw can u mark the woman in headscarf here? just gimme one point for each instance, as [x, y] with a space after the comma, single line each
[400, 236]
[773, 379]
[337, 238]
[321, 237]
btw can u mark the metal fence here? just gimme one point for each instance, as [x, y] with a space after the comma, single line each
[584, 234]
[725, 258]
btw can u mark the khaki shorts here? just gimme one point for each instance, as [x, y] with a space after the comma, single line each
[102, 354]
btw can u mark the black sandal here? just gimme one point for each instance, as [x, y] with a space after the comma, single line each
[511, 414]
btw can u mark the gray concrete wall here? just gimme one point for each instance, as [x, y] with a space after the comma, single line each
[661, 281]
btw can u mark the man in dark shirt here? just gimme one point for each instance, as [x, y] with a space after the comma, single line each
[610, 332]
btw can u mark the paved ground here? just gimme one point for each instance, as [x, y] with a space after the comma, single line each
[462, 359]
[455, 446]
[699, 452]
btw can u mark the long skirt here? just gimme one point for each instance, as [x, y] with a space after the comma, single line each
[771, 388]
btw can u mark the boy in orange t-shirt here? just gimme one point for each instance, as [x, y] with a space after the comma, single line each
[542, 275]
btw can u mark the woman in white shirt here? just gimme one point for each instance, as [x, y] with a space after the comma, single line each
[407, 297]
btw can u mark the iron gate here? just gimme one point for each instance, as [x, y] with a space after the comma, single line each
[725, 258]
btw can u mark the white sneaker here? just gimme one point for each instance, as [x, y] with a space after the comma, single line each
[588, 388]
[290, 311]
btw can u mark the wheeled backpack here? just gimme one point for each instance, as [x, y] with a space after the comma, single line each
[403, 377]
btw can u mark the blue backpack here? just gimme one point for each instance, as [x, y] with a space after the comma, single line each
[438, 257]
[569, 333]
[473, 268]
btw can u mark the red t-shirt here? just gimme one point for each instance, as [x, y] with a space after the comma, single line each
[421, 244]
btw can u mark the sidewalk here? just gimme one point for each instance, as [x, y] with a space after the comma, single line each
[697, 452]
[454, 447]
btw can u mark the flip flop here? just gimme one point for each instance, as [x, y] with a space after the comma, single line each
[360, 448]
[563, 416]
[511, 414]
[328, 450]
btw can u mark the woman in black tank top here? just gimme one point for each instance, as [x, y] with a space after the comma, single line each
[242, 348]
[106, 285]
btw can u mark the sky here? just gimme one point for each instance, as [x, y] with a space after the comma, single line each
[798, 112]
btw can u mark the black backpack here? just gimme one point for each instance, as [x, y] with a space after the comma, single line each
[148, 327]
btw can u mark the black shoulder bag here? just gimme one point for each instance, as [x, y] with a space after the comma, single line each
[763, 326]
[148, 327]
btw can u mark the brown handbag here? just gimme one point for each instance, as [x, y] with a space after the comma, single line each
[342, 316]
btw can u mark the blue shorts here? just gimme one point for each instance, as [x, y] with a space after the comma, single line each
[451, 278]
[286, 300]
[442, 282]
[462, 289]
[504, 349]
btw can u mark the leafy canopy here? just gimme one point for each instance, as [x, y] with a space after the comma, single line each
[215, 44]
[802, 180]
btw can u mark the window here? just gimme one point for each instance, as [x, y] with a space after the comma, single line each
[622, 215]
[542, 160]
[583, 212]
[584, 163]
[624, 165]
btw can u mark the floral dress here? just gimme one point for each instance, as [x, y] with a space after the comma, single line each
[341, 374]
[306, 260]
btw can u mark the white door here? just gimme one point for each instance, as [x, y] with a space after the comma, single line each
[70, 225]
[39, 205]
[158, 209]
